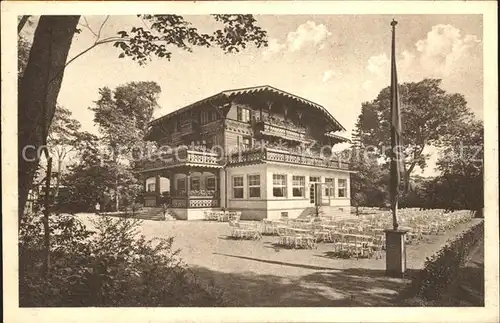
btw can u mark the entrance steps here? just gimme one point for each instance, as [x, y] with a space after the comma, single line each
[338, 213]
[154, 214]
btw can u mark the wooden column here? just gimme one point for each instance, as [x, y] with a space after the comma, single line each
[158, 190]
[188, 187]
[172, 184]
[217, 187]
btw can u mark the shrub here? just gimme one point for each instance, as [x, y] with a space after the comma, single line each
[111, 266]
[442, 268]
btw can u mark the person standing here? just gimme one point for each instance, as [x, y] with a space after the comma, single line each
[97, 208]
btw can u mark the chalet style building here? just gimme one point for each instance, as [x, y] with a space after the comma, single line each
[259, 150]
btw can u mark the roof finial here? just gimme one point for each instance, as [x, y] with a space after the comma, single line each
[393, 23]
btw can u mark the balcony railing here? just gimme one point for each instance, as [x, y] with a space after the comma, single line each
[180, 157]
[195, 202]
[280, 128]
[289, 157]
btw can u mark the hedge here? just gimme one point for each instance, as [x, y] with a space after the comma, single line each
[442, 268]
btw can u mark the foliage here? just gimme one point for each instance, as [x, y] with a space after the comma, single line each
[140, 43]
[122, 116]
[23, 53]
[111, 266]
[369, 182]
[460, 185]
[442, 268]
[54, 34]
[64, 133]
[429, 114]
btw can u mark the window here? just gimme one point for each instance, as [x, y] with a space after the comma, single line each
[181, 184]
[243, 114]
[329, 187]
[210, 184]
[279, 185]
[238, 187]
[246, 143]
[151, 187]
[195, 184]
[314, 179]
[253, 185]
[204, 117]
[213, 116]
[298, 184]
[342, 189]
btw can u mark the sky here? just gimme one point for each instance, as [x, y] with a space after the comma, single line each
[338, 61]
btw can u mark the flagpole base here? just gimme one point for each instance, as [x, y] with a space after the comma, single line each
[395, 255]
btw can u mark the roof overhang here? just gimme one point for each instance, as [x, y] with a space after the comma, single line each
[228, 95]
[337, 137]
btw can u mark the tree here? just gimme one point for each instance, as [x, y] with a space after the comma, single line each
[428, 114]
[89, 177]
[368, 185]
[122, 116]
[40, 84]
[462, 165]
[63, 138]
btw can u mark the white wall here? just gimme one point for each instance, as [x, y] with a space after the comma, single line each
[164, 184]
[270, 206]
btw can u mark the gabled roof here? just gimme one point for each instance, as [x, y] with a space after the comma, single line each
[250, 90]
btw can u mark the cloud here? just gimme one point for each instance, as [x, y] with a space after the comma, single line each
[444, 49]
[307, 35]
[378, 65]
[443, 53]
[327, 75]
[273, 47]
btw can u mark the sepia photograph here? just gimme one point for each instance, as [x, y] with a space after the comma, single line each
[204, 156]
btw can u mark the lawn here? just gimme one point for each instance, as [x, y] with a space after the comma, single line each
[258, 273]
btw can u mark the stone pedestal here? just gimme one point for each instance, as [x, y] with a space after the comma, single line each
[395, 255]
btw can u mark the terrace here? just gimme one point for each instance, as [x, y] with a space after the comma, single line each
[265, 273]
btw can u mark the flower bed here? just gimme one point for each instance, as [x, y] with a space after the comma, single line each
[441, 269]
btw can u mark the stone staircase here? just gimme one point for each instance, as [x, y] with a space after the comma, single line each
[333, 211]
[154, 214]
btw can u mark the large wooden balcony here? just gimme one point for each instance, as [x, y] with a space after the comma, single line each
[189, 127]
[183, 156]
[288, 157]
[281, 129]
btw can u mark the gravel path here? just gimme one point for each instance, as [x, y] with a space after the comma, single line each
[257, 273]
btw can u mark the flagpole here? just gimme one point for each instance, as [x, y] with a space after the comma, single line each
[394, 140]
[395, 254]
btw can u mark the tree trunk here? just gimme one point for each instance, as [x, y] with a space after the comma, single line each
[117, 201]
[46, 214]
[58, 178]
[22, 22]
[38, 91]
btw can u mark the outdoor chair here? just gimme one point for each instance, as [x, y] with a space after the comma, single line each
[283, 239]
[378, 245]
[322, 235]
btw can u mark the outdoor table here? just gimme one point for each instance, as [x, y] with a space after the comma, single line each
[298, 230]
